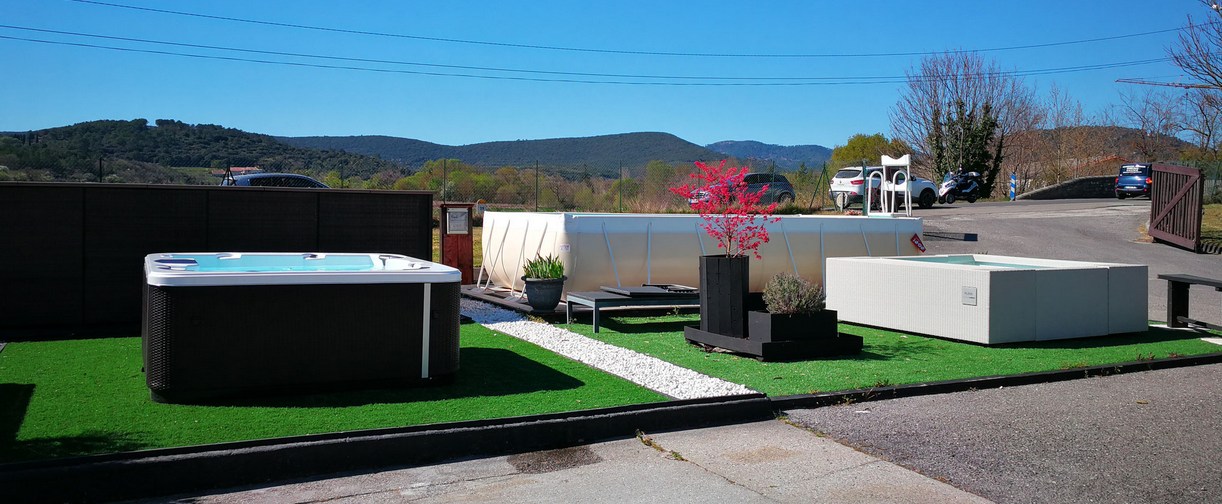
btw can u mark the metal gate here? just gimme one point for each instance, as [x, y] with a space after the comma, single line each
[1175, 205]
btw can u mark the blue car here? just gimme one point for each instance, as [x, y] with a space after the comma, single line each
[1133, 180]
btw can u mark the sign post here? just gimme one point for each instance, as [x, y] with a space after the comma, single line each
[457, 245]
[1013, 183]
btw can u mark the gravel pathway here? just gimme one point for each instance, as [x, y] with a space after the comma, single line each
[649, 372]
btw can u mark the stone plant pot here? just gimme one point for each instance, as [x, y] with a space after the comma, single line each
[764, 326]
[724, 282]
[543, 294]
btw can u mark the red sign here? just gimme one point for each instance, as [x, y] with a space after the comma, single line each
[916, 240]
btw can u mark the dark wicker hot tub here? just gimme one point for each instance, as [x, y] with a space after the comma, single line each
[224, 325]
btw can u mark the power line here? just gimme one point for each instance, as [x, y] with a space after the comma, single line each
[619, 51]
[493, 69]
[838, 81]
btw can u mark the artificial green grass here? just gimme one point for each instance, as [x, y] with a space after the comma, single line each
[84, 397]
[887, 358]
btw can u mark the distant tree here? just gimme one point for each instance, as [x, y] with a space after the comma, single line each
[658, 177]
[963, 140]
[868, 147]
[1157, 116]
[628, 187]
[1198, 52]
[931, 95]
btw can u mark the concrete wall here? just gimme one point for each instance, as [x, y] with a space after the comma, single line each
[1099, 186]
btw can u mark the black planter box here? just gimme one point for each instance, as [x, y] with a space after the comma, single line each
[772, 351]
[723, 295]
[763, 326]
[784, 337]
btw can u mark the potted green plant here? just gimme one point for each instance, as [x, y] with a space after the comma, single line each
[796, 311]
[797, 324]
[544, 277]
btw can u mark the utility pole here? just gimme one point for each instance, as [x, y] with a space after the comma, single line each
[536, 185]
[443, 180]
[621, 187]
[99, 168]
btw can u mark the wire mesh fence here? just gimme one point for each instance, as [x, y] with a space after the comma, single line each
[628, 189]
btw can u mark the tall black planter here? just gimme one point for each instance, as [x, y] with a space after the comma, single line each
[723, 295]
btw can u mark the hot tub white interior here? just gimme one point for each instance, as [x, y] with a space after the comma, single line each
[989, 299]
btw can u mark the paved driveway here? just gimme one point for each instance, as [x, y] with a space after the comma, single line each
[1152, 437]
[1086, 230]
[1143, 437]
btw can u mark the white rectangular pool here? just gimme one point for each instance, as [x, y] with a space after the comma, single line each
[989, 299]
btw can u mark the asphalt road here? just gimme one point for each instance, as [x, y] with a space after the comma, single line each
[1103, 230]
[1144, 437]
[1152, 437]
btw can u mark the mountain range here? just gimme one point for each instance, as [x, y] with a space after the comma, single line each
[599, 154]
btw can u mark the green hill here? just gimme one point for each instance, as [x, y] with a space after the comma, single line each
[787, 157]
[136, 151]
[603, 155]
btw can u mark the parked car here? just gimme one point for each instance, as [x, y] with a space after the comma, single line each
[1133, 180]
[779, 189]
[848, 187]
[273, 180]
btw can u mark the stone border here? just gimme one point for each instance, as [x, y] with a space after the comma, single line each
[168, 471]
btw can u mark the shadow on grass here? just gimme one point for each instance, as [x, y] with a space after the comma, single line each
[88, 443]
[482, 372]
[660, 326]
[1153, 335]
[15, 401]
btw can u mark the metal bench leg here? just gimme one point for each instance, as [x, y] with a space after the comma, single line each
[595, 316]
[1177, 303]
[568, 312]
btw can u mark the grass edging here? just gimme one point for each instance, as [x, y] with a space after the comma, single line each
[781, 403]
[168, 471]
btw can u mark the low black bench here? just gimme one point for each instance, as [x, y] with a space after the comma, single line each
[649, 295]
[1177, 299]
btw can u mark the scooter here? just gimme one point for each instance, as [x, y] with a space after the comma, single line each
[959, 185]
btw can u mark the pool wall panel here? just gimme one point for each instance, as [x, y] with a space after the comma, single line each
[1128, 299]
[1011, 316]
[1070, 303]
[633, 249]
[74, 252]
[299, 336]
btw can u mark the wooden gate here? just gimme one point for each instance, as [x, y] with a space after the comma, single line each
[1175, 205]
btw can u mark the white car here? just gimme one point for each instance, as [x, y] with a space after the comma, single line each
[848, 184]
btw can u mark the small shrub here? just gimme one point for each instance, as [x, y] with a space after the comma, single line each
[544, 267]
[791, 294]
[1214, 196]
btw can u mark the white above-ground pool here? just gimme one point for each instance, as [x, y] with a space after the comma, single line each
[637, 249]
[229, 324]
[989, 299]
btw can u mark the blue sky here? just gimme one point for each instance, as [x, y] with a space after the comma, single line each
[54, 85]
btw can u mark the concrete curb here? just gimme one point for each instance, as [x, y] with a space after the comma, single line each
[161, 472]
[782, 403]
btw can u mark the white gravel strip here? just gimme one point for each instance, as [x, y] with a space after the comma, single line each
[649, 372]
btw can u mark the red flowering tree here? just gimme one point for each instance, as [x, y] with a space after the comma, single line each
[732, 213]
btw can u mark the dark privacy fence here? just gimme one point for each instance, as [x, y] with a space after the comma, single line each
[72, 255]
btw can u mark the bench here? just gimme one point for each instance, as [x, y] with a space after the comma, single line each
[1177, 299]
[648, 295]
